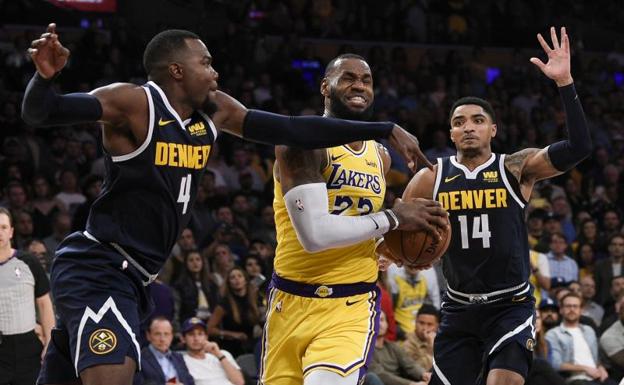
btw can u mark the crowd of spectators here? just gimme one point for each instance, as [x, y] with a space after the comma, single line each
[218, 270]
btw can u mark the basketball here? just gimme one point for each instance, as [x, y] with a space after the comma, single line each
[417, 248]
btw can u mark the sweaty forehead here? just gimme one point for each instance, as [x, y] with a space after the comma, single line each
[468, 110]
[351, 65]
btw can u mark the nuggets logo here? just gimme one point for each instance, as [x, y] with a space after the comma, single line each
[323, 291]
[197, 129]
[530, 344]
[490, 176]
[102, 341]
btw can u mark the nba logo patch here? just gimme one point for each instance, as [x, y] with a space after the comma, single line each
[299, 204]
[102, 341]
[18, 273]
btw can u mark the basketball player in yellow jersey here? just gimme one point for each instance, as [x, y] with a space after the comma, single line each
[323, 309]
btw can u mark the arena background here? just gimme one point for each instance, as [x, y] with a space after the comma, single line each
[270, 55]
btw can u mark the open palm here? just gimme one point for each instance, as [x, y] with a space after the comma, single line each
[558, 66]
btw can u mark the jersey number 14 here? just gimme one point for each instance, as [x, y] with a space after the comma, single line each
[480, 229]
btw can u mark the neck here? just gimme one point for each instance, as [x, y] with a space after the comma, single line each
[559, 255]
[617, 259]
[379, 343]
[240, 292]
[183, 109]
[162, 351]
[199, 354]
[571, 324]
[6, 253]
[473, 160]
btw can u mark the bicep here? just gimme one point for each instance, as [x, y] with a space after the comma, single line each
[297, 167]
[421, 185]
[536, 164]
[121, 102]
[384, 155]
[230, 114]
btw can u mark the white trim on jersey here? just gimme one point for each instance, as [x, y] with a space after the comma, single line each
[474, 173]
[512, 333]
[211, 123]
[167, 104]
[438, 179]
[90, 314]
[150, 131]
[501, 166]
[441, 375]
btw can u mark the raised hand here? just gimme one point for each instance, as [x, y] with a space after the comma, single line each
[558, 66]
[407, 145]
[48, 53]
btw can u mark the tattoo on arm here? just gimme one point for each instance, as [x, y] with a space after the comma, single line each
[515, 162]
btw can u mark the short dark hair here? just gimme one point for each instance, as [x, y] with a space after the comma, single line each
[558, 235]
[570, 294]
[8, 214]
[430, 310]
[487, 107]
[615, 236]
[331, 66]
[164, 46]
[159, 318]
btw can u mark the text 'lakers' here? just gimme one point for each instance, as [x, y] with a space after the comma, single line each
[181, 155]
[344, 177]
[473, 199]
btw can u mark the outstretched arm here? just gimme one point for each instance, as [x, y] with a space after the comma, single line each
[532, 164]
[305, 196]
[311, 132]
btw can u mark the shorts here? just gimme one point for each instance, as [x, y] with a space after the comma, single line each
[99, 302]
[471, 336]
[310, 327]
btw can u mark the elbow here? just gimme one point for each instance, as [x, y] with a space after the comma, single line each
[240, 381]
[310, 243]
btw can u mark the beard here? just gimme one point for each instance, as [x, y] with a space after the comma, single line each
[342, 111]
[209, 107]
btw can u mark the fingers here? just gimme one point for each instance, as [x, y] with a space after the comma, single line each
[543, 43]
[553, 37]
[51, 28]
[421, 156]
[565, 41]
[540, 64]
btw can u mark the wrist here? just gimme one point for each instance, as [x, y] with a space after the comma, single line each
[564, 82]
[392, 218]
[220, 356]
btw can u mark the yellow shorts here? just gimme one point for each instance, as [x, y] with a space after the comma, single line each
[303, 334]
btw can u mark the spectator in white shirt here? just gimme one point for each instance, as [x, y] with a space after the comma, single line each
[208, 364]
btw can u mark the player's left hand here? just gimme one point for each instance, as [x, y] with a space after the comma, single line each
[558, 66]
[407, 145]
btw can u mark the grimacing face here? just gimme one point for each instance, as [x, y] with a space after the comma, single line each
[349, 87]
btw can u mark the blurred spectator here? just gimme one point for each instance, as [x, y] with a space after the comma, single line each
[590, 308]
[589, 235]
[392, 364]
[44, 206]
[24, 228]
[70, 193]
[16, 197]
[160, 365]
[611, 313]
[540, 274]
[561, 208]
[575, 347]
[223, 262]
[236, 318]
[611, 223]
[24, 292]
[541, 372]
[549, 312]
[241, 162]
[207, 363]
[409, 291]
[440, 147]
[419, 344]
[386, 305]
[265, 228]
[612, 343]
[61, 227]
[175, 263]
[608, 268]
[586, 259]
[563, 269]
[253, 267]
[196, 293]
[37, 249]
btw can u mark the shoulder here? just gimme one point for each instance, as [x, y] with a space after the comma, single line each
[421, 185]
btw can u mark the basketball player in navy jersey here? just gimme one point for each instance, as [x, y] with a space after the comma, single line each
[486, 333]
[157, 138]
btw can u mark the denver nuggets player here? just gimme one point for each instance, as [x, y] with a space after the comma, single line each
[157, 139]
[323, 304]
[486, 334]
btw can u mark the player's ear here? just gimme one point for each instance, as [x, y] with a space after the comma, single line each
[325, 87]
[494, 129]
[175, 70]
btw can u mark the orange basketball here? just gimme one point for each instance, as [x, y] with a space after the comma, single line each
[417, 248]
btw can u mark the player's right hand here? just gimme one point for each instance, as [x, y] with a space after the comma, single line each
[407, 145]
[420, 215]
[48, 53]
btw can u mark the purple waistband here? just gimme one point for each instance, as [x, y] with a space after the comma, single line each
[320, 291]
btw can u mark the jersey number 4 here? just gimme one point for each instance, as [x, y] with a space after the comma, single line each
[480, 229]
[185, 192]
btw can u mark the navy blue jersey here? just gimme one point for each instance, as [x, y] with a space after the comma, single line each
[147, 195]
[489, 248]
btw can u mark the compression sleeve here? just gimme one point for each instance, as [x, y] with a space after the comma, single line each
[42, 106]
[310, 132]
[319, 230]
[567, 153]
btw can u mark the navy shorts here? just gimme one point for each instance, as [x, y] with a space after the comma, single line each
[99, 300]
[473, 339]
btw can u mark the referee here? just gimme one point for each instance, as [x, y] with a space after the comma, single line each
[22, 284]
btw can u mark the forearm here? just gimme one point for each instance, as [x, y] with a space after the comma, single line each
[46, 316]
[568, 367]
[390, 379]
[319, 230]
[310, 132]
[233, 374]
[566, 154]
[42, 106]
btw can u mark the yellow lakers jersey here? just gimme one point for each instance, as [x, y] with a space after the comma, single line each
[410, 299]
[356, 186]
[537, 291]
